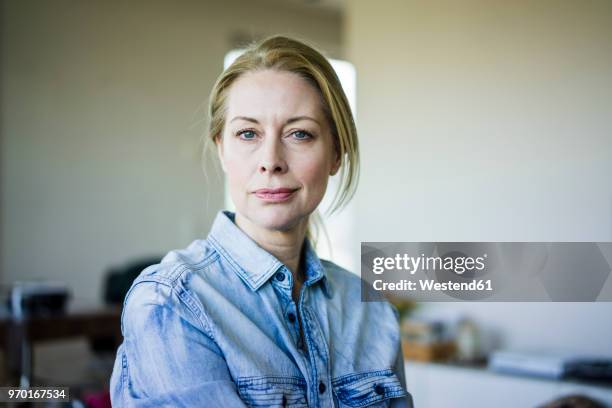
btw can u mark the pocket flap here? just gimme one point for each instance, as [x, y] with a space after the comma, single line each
[365, 388]
[272, 391]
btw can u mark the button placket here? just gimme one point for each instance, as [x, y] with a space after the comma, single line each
[283, 277]
[283, 280]
[290, 316]
[322, 387]
[319, 356]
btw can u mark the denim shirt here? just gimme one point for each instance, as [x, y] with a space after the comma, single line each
[214, 325]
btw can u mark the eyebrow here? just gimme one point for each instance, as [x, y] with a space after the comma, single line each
[290, 120]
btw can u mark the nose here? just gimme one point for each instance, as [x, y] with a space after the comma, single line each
[272, 157]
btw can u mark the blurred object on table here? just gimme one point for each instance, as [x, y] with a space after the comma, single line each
[554, 365]
[39, 298]
[426, 340]
[404, 306]
[467, 339]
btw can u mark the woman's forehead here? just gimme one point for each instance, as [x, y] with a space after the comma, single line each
[269, 95]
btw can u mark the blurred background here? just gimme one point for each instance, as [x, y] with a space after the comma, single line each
[478, 121]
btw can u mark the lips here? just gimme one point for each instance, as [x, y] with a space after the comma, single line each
[275, 190]
[275, 194]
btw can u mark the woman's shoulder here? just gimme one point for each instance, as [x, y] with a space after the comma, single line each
[158, 282]
[346, 279]
[349, 286]
[178, 262]
[339, 274]
[162, 285]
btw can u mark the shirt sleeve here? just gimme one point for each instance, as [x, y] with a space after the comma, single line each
[167, 357]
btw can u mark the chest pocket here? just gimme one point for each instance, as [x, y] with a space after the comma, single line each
[273, 391]
[368, 389]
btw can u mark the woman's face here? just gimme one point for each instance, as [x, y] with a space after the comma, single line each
[276, 149]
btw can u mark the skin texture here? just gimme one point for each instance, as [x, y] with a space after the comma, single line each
[274, 153]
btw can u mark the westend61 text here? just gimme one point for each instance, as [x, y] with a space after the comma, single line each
[432, 285]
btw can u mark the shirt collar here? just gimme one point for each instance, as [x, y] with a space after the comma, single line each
[251, 262]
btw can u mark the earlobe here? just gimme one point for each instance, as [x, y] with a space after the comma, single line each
[335, 167]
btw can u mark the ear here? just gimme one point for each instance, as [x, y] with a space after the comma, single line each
[219, 143]
[335, 165]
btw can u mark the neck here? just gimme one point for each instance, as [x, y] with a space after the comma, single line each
[285, 245]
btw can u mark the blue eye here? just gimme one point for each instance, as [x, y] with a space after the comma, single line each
[246, 134]
[302, 135]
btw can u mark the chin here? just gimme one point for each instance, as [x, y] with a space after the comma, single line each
[276, 219]
[276, 223]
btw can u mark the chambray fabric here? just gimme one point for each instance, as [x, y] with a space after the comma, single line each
[214, 325]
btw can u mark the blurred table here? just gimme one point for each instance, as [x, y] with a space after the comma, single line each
[17, 339]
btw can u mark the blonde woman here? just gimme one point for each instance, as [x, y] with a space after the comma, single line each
[250, 316]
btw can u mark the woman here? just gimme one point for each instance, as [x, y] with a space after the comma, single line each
[251, 316]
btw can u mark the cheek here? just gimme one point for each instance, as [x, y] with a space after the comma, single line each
[236, 171]
[314, 175]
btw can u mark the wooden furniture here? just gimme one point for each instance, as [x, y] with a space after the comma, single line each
[17, 338]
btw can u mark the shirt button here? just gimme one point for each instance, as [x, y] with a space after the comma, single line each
[379, 389]
[321, 387]
[280, 276]
[291, 317]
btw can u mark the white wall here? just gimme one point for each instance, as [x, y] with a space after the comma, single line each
[478, 120]
[101, 110]
[488, 121]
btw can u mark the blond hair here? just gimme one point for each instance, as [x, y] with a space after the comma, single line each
[288, 54]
